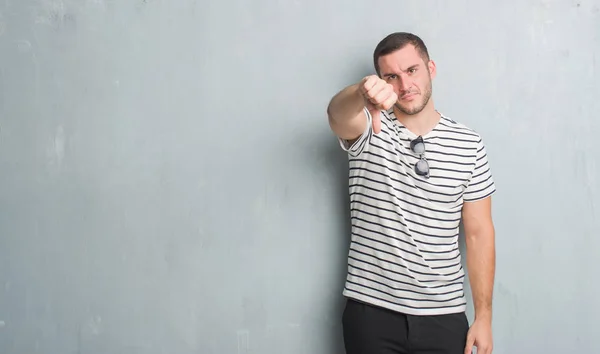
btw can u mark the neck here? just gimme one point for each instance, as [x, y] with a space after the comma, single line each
[420, 123]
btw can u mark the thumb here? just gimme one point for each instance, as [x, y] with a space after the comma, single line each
[376, 119]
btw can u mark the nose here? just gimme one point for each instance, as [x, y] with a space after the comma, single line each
[404, 84]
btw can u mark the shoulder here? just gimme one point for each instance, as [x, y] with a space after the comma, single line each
[452, 125]
[454, 130]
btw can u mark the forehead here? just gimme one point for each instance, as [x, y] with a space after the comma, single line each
[401, 59]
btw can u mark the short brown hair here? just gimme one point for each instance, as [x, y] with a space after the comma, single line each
[397, 41]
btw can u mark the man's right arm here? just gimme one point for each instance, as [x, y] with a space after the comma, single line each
[346, 113]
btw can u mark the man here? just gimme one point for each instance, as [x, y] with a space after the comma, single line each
[414, 175]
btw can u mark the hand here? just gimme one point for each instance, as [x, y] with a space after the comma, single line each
[378, 95]
[480, 335]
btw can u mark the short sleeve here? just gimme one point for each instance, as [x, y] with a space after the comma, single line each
[359, 145]
[481, 183]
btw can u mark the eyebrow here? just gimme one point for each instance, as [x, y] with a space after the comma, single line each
[409, 68]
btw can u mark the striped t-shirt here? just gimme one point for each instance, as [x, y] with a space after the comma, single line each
[404, 252]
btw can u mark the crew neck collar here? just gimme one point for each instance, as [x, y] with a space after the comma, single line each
[404, 130]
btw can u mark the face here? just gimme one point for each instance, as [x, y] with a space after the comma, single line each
[411, 77]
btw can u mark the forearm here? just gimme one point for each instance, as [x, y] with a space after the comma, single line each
[481, 265]
[346, 113]
[345, 105]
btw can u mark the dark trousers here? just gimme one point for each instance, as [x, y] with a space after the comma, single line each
[373, 330]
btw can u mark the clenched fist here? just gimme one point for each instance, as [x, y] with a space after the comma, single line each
[378, 95]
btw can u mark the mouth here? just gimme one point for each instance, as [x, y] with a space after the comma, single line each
[408, 96]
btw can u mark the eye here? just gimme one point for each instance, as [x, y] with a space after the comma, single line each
[412, 71]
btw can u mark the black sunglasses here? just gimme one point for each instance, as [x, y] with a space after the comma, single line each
[422, 166]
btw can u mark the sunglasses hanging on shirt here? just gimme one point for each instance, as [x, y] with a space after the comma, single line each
[422, 166]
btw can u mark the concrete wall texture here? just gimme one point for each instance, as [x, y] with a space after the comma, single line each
[169, 183]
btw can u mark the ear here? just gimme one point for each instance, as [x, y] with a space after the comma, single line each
[432, 69]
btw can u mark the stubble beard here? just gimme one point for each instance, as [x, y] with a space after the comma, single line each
[415, 110]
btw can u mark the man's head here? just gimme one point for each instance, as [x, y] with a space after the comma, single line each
[403, 61]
